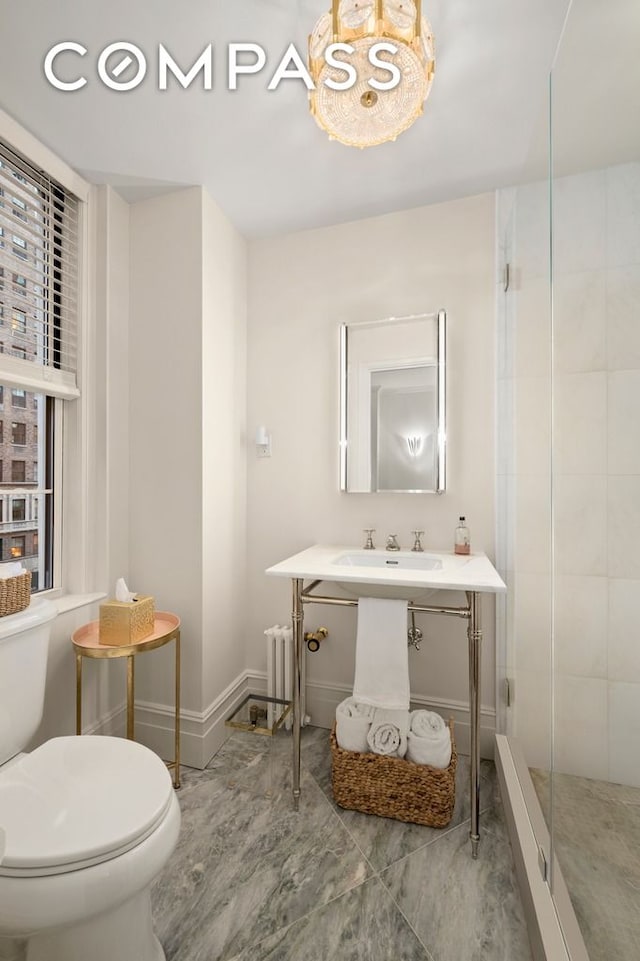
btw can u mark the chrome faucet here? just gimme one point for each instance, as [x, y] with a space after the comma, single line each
[417, 544]
[369, 546]
[392, 543]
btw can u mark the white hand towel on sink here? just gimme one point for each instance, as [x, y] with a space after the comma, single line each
[388, 733]
[353, 720]
[429, 740]
[382, 659]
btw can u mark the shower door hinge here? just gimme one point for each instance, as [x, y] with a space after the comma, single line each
[542, 862]
[509, 692]
[507, 277]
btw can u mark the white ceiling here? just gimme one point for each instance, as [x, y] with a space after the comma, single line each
[259, 153]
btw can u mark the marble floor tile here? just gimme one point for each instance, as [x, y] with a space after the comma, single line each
[461, 909]
[362, 925]
[597, 842]
[246, 866]
[596, 828]
[251, 879]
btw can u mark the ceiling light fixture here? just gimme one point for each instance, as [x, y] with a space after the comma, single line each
[370, 111]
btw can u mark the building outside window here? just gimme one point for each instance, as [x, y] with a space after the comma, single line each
[19, 434]
[18, 398]
[18, 471]
[18, 322]
[18, 546]
[19, 509]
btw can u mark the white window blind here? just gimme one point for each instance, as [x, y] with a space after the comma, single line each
[39, 256]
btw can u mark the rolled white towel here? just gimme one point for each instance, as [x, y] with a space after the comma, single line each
[388, 733]
[429, 740]
[353, 720]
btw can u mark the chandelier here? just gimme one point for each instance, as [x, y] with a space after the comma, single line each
[370, 111]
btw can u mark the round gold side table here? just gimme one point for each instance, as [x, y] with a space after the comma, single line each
[86, 642]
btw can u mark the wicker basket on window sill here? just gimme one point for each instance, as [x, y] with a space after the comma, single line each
[15, 593]
[392, 787]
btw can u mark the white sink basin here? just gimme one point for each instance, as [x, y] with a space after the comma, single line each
[391, 561]
[400, 574]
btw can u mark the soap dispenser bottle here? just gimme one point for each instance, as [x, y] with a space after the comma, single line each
[462, 540]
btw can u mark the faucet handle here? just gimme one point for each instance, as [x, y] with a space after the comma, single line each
[392, 543]
[417, 544]
[369, 546]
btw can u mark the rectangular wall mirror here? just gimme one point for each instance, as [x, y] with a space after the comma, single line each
[392, 405]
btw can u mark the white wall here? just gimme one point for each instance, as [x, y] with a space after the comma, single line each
[187, 460]
[165, 521]
[301, 287]
[224, 458]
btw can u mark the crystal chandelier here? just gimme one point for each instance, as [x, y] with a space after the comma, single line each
[365, 114]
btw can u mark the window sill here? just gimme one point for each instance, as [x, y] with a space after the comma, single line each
[71, 602]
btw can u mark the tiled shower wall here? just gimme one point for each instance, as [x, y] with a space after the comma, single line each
[593, 470]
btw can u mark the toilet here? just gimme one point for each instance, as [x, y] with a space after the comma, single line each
[86, 823]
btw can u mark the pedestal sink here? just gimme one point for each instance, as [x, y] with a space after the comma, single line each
[407, 576]
[402, 574]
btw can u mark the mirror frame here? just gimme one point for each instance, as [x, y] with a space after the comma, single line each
[441, 402]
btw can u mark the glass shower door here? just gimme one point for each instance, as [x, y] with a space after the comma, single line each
[595, 206]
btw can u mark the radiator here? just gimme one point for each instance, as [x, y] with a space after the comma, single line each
[279, 641]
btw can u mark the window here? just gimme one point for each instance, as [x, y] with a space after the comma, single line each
[18, 546]
[27, 519]
[18, 321]
[19, 247]
[19, 434]
[1, 431]
[39, 294]
[40, 256]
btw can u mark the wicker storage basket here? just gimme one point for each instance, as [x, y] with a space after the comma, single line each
[392, 787]
[15, 593]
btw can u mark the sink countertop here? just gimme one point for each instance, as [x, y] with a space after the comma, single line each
[473, 572]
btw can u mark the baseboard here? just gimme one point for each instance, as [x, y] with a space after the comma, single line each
[202, 734]
[553, 929]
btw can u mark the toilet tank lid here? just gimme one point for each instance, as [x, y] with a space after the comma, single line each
[78, 801]
[39, 612]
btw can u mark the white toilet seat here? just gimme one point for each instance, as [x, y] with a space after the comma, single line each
[79, 801]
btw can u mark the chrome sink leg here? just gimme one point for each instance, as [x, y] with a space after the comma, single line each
[474, 634]
[297, 619]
